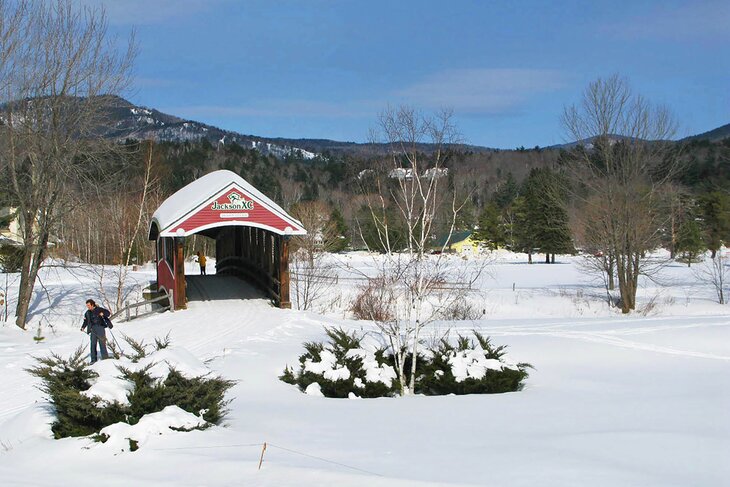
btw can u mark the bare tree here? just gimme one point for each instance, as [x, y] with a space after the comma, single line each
[715, 272]
[313, 272]
[57, 69]
[127, 214]
[623, 162]
[409, 290]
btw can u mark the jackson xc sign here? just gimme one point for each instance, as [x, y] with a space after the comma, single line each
[237, 202]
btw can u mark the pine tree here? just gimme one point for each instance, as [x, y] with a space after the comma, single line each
[491, 229]
[715, 210]
[506, 192]
[338, 223]
[522, 228]
[545, 201]
[689, 241]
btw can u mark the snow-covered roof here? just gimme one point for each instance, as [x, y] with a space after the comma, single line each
[196, 196]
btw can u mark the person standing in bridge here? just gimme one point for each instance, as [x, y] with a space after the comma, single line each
[96, 320]
[201, 261]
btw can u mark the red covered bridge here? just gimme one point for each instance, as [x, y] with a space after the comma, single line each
[251, 235]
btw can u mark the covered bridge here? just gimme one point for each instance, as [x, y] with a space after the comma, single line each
[251, 235]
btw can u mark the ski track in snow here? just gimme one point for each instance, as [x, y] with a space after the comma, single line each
[609, 337]
[586, 417]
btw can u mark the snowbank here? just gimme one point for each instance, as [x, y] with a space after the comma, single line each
[109, 386]
[121, 436]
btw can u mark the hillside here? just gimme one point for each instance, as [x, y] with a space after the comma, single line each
[126, 120]
[715, 135]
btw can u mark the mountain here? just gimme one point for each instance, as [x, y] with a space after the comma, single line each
[125, 120]
[715, 135]
[588, 143]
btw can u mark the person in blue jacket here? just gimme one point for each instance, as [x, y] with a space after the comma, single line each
[96, 320]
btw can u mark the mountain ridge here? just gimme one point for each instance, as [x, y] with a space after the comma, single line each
[130, 121]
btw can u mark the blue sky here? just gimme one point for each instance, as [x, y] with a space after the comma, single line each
[326, 68]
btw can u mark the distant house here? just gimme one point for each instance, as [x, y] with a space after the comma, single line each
[9, 227]
[401, 173]
[459, 242]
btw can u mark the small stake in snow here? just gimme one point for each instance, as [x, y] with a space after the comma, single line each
[261, 460]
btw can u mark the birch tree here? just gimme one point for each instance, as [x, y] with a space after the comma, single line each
[409, 290]
[313, 274]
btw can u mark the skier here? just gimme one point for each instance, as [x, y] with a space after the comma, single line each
[96, 320]
[201, 261]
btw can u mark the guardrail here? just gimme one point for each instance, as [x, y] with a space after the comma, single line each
[127, 308]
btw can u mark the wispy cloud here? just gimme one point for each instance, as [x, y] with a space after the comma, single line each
[281, 108]
[466, 91]
[697, 20]
[482, 91]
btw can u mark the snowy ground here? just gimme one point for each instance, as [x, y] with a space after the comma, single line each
[614, 400]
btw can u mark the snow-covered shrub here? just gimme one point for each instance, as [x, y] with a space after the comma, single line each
[87, 399]
[344, 367]
[63, 382]
[468, 367]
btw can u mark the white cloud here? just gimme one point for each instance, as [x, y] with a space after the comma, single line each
[483, 90]
[466, 91]
[281, 108]
[701, 20]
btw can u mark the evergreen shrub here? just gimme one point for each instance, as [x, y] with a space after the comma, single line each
[64, 380]
[342, 367]
[11, 258]
[480, 366]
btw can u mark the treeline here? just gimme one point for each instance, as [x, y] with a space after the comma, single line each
[519, 200]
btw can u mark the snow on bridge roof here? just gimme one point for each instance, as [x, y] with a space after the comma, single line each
[220, 199]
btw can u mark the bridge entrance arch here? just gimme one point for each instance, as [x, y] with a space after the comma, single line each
[251, 234]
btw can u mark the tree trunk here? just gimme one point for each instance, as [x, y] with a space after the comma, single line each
[547, 258]
[529, 257]
[611, 273]
[31, 264]
[552, 258]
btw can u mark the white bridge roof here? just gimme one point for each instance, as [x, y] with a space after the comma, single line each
[175, 214]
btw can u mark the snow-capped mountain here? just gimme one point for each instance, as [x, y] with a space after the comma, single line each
[128, 121]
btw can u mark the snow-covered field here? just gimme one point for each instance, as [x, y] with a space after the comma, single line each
[613, 400]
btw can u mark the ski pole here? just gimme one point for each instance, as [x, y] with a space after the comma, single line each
[121, 352]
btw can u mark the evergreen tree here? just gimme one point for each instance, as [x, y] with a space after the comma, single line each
[545, 198]
[338, 223]
[491, 227]
[522, 228]
[506, 192]
[689, 241]
[715, 209]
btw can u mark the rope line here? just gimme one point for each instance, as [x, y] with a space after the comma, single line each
[324, 460]
[207, 447]
[274, 446]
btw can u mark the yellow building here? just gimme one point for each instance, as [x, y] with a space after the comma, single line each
[460, 243]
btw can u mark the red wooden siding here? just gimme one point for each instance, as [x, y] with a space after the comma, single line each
[258, 215]
[165, 279]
